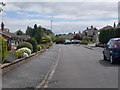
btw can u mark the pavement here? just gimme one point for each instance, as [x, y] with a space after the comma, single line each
[80, 67]
[31, 73]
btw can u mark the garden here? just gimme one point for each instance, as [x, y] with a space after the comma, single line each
[42, 39]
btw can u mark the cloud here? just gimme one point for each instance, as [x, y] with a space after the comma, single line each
[67, 16]
[59, 0]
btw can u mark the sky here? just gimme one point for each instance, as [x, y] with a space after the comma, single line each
[66, 16]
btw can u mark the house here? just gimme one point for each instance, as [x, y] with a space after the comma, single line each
[70, 35]
[12, 39]
[118, 24]
[91, 32]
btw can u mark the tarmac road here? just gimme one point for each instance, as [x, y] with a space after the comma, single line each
[28, 75]
[81, 67]
[78, 67]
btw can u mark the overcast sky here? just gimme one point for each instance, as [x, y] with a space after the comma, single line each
[67, 16]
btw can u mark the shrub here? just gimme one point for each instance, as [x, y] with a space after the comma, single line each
[3, 49]
[47, 45]
[25, 44]
[26, 50]
[39, 47]
[34, 43]
[50, 43]
[19, 54]
[43, 46]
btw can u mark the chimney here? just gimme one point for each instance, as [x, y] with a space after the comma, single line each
[114, 24]
[2, 26]
[91, 27]
[74, 32]
[87, 28]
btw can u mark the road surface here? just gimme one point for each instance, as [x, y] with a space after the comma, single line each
[78, 67]
[81, 67]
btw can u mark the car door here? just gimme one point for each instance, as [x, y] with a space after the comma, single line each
[108, 49]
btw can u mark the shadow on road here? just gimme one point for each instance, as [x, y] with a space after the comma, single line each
[108, 64]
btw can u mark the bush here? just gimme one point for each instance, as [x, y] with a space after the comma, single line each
[39, 47]
[19, 54]
[34, 43]
[43, 46]
[26, 50]
[47, 45]
[51, 43]
[3, 49]
[25, 44]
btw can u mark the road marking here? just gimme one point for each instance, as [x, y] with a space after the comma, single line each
[49, 75]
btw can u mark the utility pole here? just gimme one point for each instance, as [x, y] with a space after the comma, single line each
[51, 23]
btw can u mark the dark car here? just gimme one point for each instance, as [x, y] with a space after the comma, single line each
[112, 50]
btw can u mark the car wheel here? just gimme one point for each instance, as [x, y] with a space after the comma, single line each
[104, 57]
[112, 61]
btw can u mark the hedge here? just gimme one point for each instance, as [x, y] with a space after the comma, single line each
[3, 49]
[25, 44]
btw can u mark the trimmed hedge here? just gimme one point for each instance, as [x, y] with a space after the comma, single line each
[19, 54]
[3, 49]
[25, 44]
[39, 47]
[26, 50]
[34, 43]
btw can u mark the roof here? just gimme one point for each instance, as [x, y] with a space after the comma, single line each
[3, 34]
[13, 35]
[90, 32]
[115, 39]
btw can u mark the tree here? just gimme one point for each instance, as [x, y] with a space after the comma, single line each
[19, 32]
[35, 26]
[77, 36]
[34, 43]
[87, 38]
[39, 34]
[29, 31]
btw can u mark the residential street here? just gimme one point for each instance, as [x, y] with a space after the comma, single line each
[81, 67]
[78, 67]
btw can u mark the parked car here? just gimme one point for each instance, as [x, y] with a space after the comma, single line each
[67, 42]
[75, 41]
[112, 50]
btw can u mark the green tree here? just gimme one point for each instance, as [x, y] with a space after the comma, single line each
[19, 32]
[39, 34]
[34, 43]
[29, 31]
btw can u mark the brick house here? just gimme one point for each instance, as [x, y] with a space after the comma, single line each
[12, 39]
